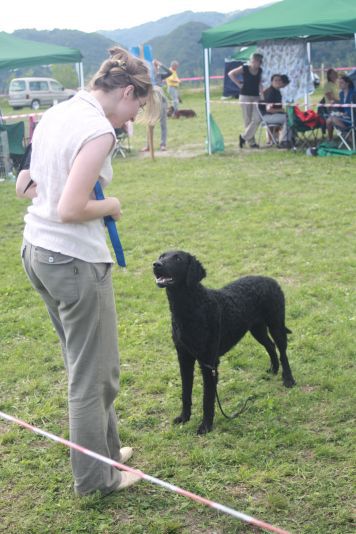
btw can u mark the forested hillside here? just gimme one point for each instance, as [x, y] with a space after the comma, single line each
[164, 26]
[93, 46]
[183, 45]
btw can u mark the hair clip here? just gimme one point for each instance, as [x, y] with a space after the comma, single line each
[121, 63]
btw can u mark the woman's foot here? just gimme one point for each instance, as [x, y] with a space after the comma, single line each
[242, 141]
[163, 147]
[127, 480]
[125, 454]
[145, 149]
[254, 145]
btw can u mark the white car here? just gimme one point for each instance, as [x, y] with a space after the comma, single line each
[37, 92]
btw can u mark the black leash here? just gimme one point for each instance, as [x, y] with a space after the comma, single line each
[235, 414]
[214, 370]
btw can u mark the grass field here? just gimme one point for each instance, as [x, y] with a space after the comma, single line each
[289, 458]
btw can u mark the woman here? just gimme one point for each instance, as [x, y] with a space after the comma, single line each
[250, 91]
[160, 73]
[330, 94]
[330, 88]
[66, 257]
[173, 82]
[342, 119]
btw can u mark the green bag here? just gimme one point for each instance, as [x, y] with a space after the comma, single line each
[217, 140]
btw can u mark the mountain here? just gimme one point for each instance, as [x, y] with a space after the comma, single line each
[148, 31]
[183, 45]
[93, 46]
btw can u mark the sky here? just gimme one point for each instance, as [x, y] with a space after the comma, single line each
[88, 16]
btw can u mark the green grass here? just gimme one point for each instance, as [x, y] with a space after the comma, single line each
[288, 459]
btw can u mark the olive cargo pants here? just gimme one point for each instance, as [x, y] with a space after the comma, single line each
[80, 301]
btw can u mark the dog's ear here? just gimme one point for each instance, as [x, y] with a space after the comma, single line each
[195, 272]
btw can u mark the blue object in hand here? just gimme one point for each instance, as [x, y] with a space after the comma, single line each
[111, 226]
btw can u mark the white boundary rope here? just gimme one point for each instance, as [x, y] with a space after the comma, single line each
[171, 487]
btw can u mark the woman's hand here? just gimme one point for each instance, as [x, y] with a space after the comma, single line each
[115, 211]
[23, 189]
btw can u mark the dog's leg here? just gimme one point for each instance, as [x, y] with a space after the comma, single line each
[260, 333]
[210, 381]
[186, 365]
[280, 337]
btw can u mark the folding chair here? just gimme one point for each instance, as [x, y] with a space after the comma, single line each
[347, 135]
[122, 146]
[272, 129]
[304, 136]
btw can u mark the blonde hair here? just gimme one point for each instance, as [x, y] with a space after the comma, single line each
[123, 69]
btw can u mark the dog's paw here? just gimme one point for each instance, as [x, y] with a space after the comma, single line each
[181, 419]
[204, 428]
[272, 370]
[289, 382]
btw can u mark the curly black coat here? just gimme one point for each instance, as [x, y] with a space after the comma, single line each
[206, 323]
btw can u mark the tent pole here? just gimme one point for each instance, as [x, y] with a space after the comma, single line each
[306, 94]
[81, 75]
[207, 52]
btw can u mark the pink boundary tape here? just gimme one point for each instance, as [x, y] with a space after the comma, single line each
[171, 487]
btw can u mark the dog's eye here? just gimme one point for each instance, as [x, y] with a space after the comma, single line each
[177, 258]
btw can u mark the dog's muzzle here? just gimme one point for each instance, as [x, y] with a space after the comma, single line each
[162, 280]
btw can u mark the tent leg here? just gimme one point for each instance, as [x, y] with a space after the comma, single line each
[80, 73]
[207, 52]
[306, 94]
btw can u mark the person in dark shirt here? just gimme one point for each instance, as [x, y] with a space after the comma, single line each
[248, 78]
[272, 109]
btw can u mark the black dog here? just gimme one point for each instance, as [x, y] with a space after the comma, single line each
[206, 323]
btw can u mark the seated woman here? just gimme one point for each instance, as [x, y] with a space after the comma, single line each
[330, 88]
[342, 119]
[273, 112]
[331, 94]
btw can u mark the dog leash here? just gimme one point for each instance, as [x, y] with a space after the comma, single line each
[111, 226]
[214, 370]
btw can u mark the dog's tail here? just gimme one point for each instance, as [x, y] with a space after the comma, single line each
[287, 331]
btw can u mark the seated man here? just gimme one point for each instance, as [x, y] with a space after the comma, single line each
[272, 109]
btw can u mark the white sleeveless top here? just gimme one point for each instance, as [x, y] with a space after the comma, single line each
[57, 139]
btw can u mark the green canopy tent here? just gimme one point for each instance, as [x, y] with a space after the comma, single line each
[15, 52]
[319, 20]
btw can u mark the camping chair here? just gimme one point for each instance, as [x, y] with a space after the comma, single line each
[272, 129]
[304, 135]
[16, 138]
[347, 135]
[122, 146]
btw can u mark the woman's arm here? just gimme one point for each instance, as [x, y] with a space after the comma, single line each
[234, 73]
[23, 187]
[260, 90]
[330, 97]
[75, 204]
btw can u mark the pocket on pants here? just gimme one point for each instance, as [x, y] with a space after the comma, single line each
[100, 271]
[58, 273]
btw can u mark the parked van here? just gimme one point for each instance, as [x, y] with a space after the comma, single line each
[36, 92]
